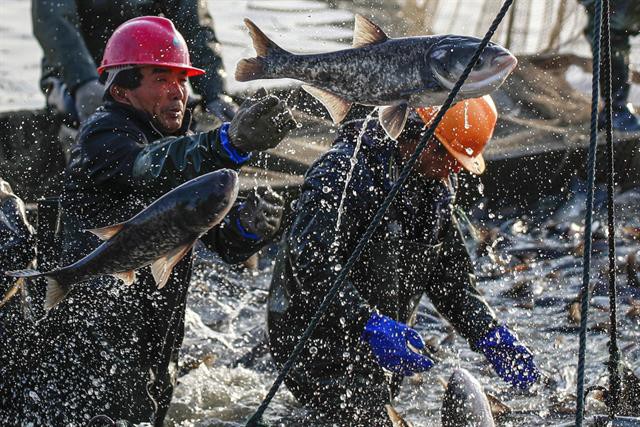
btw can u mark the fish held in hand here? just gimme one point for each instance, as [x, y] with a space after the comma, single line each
[394, 74]
[160, 236]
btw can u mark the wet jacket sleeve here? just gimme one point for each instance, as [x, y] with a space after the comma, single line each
[119, 157]
[193, 20]
[454, 292]
[56, 27]
[312, 236]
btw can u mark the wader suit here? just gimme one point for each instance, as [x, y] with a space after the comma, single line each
[109, 348]
[416, 250]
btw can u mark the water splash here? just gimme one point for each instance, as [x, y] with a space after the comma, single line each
[466, 115]
[353, 161]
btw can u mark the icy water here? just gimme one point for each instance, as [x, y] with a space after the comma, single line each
[529, 269]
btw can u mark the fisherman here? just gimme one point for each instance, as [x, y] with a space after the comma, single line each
[354, 362]
[73, 36]
[108, 348]
[624, 24]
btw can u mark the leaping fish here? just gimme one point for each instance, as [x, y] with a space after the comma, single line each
[394, 74]
[160, 235]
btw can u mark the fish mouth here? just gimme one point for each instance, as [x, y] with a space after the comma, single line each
[230, 188]
[485, 81]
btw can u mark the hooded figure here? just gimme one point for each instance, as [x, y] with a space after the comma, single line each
[354, 362]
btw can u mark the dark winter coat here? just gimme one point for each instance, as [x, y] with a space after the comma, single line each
[74, 33]
[109, 348]
[416, 250]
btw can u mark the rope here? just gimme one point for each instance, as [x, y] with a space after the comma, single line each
[614, 353]
[256, 419]
[591, 171]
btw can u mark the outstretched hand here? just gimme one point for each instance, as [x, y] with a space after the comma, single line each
[261, 123]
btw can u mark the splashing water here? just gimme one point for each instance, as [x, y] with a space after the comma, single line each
[466, 115]
[353, 161]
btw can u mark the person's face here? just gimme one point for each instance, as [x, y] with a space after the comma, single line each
[162, 94]
[435, 161]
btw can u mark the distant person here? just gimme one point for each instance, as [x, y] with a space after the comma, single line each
[365, 345]
[624, 23]
[73, 35]
[109, 348]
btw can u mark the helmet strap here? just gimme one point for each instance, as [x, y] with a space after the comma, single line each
[112, 73]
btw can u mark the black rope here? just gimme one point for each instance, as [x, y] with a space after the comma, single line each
[614, 352]
[256, 419]
[591, 166]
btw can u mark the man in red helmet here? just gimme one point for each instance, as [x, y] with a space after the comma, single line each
[73, 35]
[110, 348]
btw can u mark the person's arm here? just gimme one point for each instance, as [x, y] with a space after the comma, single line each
[193, 21]
[127, 159]
[315, 260]
[453, 290]
[56, 27]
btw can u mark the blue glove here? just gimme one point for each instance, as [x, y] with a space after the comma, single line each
[512, 361]
[388, 341]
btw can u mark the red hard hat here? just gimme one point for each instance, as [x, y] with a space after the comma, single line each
[148, 40]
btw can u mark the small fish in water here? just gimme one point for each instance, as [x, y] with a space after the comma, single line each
[392, 73]
[465, 403]
[160, 235]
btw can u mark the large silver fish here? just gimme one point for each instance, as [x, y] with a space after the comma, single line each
[393, 73]
[465, 403]
[159, 235]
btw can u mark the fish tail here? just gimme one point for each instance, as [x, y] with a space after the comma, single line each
[250, 69]
[56, 291]
[263, 45]
[254, 68]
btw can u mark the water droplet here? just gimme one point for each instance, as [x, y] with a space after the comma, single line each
[326, 189]
[466, 115]
[313, 350]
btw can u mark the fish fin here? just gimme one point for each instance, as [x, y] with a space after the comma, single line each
[394, 416]
[161, 269]
[12, 292]
[263, 45]
[249, 69]
[24, 273]
[393, 118]
[338, 107]
[366, 33]
[128, 277]
[443, 383]
[55, 293]
[105, 233]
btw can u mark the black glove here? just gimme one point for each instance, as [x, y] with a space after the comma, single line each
[222, 107]
[259, 217]
[261, 123]
[88, 98]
